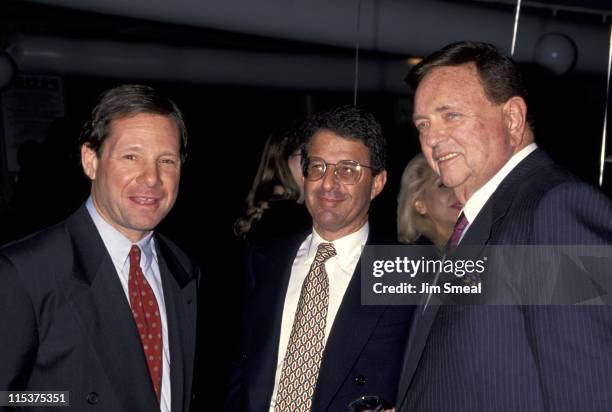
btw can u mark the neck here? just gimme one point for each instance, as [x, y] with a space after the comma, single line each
[463, 193]
[331, 235]
[133, 236]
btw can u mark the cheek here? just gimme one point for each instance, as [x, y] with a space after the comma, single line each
[112, 180]
[438, 198]
[310, 189]
[476, 140]
[432, 202]
[467, 133]
[441, 201]
[173, 176]
[116, 174]
[361, 197]
[171, 180]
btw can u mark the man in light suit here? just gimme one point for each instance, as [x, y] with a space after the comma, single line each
[471, 116]
[100, 305]
[308, 344]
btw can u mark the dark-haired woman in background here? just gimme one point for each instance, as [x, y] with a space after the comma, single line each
[274, 205]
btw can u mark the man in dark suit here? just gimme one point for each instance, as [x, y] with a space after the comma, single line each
[308, 344]
[471, 115]
[100, 305]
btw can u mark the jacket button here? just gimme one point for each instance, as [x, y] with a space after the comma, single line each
[92, 398]
[360, 380]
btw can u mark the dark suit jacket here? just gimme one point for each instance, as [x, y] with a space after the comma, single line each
[66, 324]
[363, 351]
[519, 358]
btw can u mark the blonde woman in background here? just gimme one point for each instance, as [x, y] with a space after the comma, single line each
[426, 209]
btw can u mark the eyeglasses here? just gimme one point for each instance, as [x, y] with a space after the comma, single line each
[347, 172]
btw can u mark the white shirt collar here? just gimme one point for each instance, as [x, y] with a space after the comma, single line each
[347, 247]
[117, 245]
[476, 202]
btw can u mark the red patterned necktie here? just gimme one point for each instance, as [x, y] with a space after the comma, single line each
[460, 226]
[147, 318]
[305, 349]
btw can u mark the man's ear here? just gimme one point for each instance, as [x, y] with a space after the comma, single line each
[89, 161]
[515, 119]
[420, 207]
[379, 183]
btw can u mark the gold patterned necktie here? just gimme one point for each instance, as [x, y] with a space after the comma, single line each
[305, 349]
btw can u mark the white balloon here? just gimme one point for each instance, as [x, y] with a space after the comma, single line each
[556, 52]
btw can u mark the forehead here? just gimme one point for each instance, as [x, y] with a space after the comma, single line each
[461, 83]
[332, 147]
[144, 128]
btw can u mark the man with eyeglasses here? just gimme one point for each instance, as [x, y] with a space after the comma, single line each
[308, 344]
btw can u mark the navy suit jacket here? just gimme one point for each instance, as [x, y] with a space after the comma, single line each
[66, 324]
[519, 358]
[362, 355]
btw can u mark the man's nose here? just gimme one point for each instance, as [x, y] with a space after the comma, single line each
[330, 180]
[434, 135]
[150, 175]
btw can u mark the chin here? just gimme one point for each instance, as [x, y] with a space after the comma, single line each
[451, 182]
[327, 222]
[145, 224]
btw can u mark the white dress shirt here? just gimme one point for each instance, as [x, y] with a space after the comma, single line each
[339, 269]
[476, 202]
[118, 247]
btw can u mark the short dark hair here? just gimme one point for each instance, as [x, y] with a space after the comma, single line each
[500, 77]
[125, 101]
[350, 123]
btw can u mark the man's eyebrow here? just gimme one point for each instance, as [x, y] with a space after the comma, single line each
[134, 147]
[140, 148]
[438, 109]
[443, 108]
[170, 153]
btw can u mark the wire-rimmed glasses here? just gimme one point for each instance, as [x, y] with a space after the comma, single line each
[347, 172]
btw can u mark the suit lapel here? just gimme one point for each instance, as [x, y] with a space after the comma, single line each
[274, 270]
[102, 309]
[180, 298]
[346, 341]
[421, 324]
[479, 231]
[500, 202]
